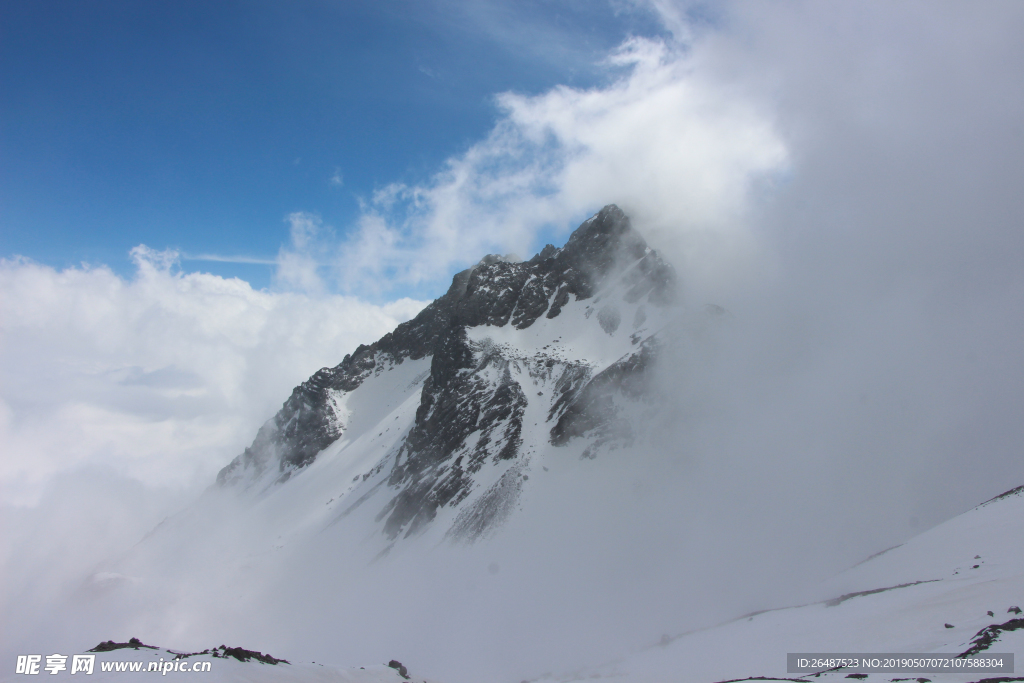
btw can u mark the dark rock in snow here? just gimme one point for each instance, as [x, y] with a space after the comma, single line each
[984, 638]
[243, 655]
[1006, 494]
[592, 407]
[108, 645]
[848, 596]
[397, 665]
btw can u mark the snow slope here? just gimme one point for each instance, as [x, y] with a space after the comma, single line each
[899, 601]
[933, 594]
[213, 665]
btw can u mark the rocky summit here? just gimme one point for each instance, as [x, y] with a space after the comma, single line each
[454, 408]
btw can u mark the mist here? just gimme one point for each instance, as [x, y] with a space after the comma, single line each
[843, 182]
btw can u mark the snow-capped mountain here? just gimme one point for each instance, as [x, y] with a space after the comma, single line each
[454, 409]
[386, 486]
[479, 441]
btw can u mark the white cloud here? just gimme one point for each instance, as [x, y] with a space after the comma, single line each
[218, 258]
[298, 264]
[120, 399]
[674, 147]
[162, 377]
[671, 146]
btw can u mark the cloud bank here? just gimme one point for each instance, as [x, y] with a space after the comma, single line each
[162, 377]
[121, 399]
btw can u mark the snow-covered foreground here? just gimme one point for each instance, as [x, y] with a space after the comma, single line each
[933, 594]
[212, 665]
[967, 574]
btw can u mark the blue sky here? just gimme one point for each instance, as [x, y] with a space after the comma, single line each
[200, 126]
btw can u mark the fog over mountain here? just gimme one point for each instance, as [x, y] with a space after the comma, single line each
[790, 340]
[546, 449]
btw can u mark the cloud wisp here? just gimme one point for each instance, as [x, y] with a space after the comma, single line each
[216, 258]
[669, 145]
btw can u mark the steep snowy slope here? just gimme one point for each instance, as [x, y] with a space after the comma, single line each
[955, 588]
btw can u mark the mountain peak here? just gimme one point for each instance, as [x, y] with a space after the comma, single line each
[603, 237]
[507, 339]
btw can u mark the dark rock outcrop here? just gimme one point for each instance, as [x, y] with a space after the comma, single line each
[109, 645]
[984, 638]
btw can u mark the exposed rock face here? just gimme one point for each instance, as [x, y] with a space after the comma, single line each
[592, 409]
[473, 405]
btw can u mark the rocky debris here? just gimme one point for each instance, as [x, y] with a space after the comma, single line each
[134, 643]
[239, 653]
[589, 408]
[765, 678]
[847, 596]
[1013, 610]
[491, 509]
[990, 634]
[1006, 494]
[243, 655]
[398, 666]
